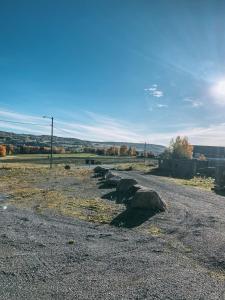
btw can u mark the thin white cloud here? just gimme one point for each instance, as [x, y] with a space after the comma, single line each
[212, 135]
[195, 103]
[103, 128]
[96, 127]
[162, 105]
[154, 91]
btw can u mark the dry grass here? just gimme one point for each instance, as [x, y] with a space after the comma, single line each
[217, 274]
[198, 182]
[135, 167]
[22, 183]
[154, 230]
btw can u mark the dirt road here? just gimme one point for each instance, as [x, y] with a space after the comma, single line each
[178, 254]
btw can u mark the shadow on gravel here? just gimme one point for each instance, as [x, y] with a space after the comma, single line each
[158, 172]
[110, 196]
[106, 185]
[131, 217]
[219, 192]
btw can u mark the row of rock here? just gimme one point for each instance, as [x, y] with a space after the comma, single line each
[129, 192]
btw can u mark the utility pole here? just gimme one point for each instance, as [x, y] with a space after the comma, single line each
[52, 128]
[145, 152]
[51, 159]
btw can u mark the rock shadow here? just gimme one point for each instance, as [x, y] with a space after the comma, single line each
[110, 196]
[132, 217]
[159, 172]
[106, 185]
[219, 192]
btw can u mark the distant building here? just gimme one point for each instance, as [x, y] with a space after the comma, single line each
[210, 152]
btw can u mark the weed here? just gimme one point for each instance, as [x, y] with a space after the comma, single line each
[154, 230]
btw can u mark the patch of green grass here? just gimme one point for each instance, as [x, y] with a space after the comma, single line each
[198, 182]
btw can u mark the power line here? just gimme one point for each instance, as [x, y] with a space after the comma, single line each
[24, 123]
[62, 130]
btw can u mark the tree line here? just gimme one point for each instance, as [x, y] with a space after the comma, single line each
[11, 149]
[122, 150]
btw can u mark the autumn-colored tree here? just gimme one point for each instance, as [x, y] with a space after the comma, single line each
[202, 157]
[89, 150]
[123, 150]
[117, 151]
[150, 154]
[132, 151]
[112, 151]
[58, 150]
[166, 154]
[178, 149]
[100, 151]
[2, 150]
[9, 149]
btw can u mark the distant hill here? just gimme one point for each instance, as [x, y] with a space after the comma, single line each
[156, 149]
[72, 143]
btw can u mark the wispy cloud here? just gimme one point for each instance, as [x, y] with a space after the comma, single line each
[212, 135]
[195, 103]
[96, 127]
[162, 105]
[154, 91]
[99, 127]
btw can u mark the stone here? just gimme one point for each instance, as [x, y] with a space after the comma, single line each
[100, 171]
[125, 184]
[123, 189]
[147, 199]
[113, 181]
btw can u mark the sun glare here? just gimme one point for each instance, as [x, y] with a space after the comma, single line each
[218, 92]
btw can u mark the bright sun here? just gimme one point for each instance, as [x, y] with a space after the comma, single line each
[218, 92]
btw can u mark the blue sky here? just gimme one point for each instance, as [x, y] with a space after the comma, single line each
[142, 70]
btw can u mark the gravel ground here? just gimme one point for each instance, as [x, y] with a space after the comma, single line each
[178, 254]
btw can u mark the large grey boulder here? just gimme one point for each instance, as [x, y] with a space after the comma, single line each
[113, 181]
[147, 199]
[100, 171]
[124, 189]
[109, 175]
[125, 184]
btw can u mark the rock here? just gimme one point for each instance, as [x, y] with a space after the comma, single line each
[67, 167]
[147, 199]
[122, 190]
[100, 171]
[109, 175]
[125, 184]
[127, 196]
[113, 181]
